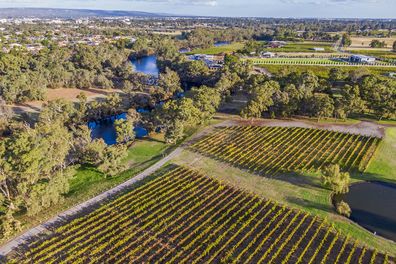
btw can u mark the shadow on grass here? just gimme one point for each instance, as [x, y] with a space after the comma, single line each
[294, 178]
[367, 176]
[308, 204]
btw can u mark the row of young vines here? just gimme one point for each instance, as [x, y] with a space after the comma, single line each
[181, 216]
[273, 150]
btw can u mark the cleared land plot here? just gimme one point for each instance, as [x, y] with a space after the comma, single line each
[270, 151]
[364, 42]
[182, 216]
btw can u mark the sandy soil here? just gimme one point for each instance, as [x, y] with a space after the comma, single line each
[362, 128]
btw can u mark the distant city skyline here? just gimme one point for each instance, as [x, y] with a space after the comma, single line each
[236, 8]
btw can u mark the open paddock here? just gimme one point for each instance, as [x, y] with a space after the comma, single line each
[364, 42]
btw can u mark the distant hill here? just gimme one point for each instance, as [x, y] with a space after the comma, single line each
[69, 13]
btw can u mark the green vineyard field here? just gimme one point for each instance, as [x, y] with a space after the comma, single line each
[181, 216]
[272, 150]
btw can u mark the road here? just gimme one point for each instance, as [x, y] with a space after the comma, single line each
[7, 248]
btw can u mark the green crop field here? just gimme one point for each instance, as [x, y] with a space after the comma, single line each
[322, 70]
[182, 216]
[297, 61]
[272, 150]
[304, 47]
[376, 53]
[233, 47]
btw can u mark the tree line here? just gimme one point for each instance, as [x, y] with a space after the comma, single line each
[342, 95]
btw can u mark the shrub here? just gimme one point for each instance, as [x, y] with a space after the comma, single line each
[343, 209]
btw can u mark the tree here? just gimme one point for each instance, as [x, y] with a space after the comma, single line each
[335, 179]
[59, 110]
[124, 129]
[207, 100]
[174, 132]
[92, 152]
[175, 116]
[168, 85]
[343, 208]
[228, 81]
[394, 46]
[346, 40]
[375, 43]
[111, 162]
[351, 102]
[260, 99]
[48, 193]
[320, 105]
[32, 162]
[380, 95]
[9, 224]
[357, 74]
[337, 74]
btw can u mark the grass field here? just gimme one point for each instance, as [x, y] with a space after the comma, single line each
[182, 216]
[376, 53]
[233, 47]
[304, 47]
[271, 151]
[323, 71]
[382, 167]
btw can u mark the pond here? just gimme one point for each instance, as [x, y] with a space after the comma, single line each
[105, 129]
[222, 43]
[146, 65]
[373, 206]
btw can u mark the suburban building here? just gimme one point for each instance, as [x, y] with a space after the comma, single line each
[212, 61]
[276, 44]
[361, 59]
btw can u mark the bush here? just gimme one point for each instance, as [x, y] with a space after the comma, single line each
[335, 179]
[343, 209]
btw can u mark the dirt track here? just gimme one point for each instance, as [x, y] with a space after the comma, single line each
[362, 128]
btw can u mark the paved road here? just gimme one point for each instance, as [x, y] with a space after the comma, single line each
[7, 248]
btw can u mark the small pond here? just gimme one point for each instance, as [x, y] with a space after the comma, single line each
[373, 206]
[222, 43]
[105, 129]
[146, 65]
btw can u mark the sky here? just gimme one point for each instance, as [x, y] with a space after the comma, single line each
[236, 8]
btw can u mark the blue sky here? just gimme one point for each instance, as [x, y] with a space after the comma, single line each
[260, 8]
